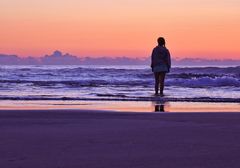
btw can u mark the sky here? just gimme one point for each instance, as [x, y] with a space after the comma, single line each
[192, 28]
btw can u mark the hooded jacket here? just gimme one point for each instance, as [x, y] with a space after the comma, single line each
[161, 59]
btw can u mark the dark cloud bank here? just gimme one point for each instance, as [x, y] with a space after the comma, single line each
[57, 58]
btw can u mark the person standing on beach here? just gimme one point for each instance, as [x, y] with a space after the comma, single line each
[160, 64]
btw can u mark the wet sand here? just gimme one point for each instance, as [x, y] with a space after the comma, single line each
[98, 139]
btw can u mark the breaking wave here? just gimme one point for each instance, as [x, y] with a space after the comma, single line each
[75, 82]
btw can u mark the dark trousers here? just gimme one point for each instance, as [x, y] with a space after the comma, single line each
[159, 79]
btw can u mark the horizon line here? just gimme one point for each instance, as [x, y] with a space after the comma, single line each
[123, 56]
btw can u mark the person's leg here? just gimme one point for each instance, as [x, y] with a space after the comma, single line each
[156, 74]
[161, 80]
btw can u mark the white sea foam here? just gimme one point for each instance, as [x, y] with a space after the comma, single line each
[80, 82]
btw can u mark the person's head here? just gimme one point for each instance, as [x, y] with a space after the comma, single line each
[161, 41]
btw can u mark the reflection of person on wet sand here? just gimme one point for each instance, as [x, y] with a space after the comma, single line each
[160, 64]
[159, 108]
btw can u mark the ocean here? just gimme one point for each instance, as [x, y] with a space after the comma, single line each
[212, 84]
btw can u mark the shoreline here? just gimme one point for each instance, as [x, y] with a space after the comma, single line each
[91, 111]
[131, 99]
[122, 106]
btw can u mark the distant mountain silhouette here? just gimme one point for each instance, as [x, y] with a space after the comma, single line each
[57, 58]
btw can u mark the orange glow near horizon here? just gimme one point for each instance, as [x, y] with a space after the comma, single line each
[206, 28]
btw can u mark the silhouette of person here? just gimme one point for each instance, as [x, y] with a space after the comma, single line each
[160, 64]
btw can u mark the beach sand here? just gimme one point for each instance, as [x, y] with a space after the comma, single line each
[98, 139]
